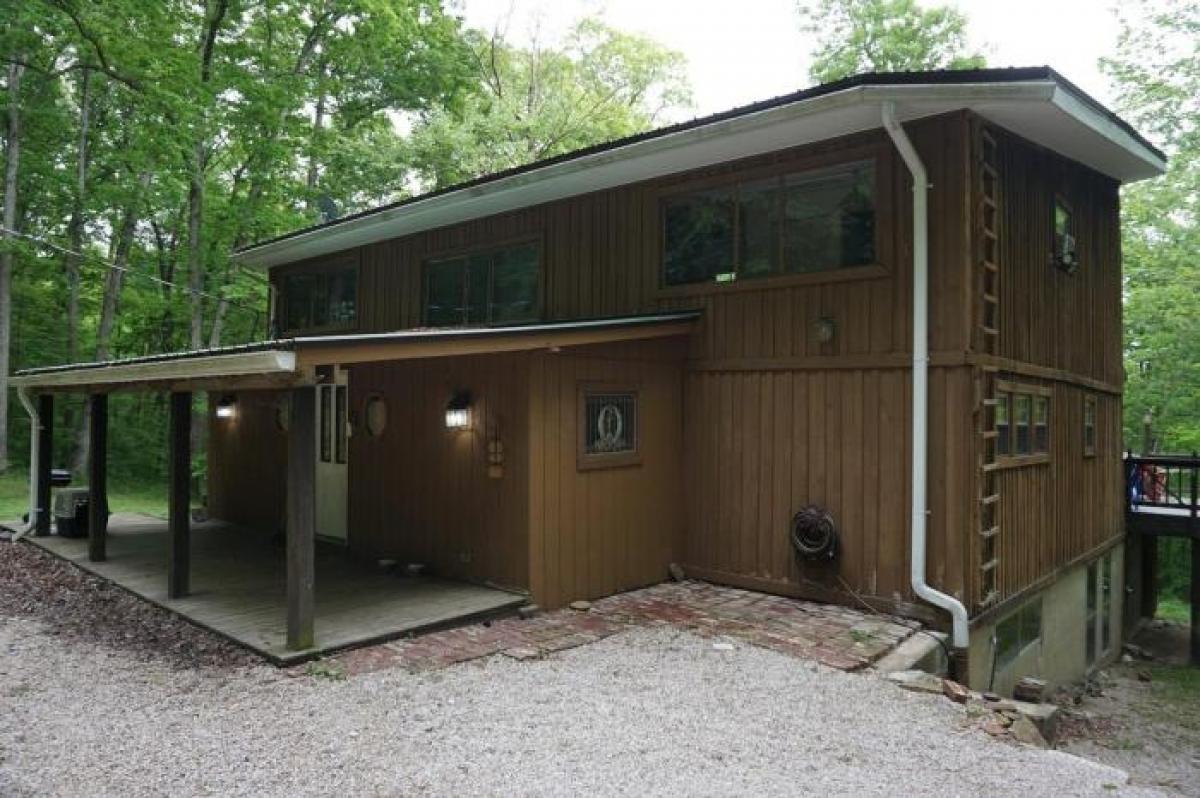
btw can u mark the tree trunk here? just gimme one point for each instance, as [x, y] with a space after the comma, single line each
[110, 306]
[214, 15]
[71, 260]
[195, 257]
[12, 161]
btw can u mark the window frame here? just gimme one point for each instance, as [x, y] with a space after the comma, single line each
[345, 262]
[881, 159]
[1008, 391]
[1020, 620]
[1090, 404]
[489, 248]
[587, 461]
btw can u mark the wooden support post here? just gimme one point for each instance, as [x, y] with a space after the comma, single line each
[45, 444]
[178, 501]
[301, 518]
[98, 478]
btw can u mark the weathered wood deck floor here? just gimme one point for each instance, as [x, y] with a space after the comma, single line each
[239, 587]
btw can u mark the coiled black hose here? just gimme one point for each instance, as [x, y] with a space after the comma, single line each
[814, 534]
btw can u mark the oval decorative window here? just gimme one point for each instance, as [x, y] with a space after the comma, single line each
[375, 416]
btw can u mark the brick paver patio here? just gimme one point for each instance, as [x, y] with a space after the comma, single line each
[835, 636]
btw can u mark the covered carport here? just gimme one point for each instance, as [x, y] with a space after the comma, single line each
[230, 580]
[239, 585]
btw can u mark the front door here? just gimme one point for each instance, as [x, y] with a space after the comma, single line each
[332, 455]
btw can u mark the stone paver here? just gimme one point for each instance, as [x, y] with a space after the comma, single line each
[835, 636]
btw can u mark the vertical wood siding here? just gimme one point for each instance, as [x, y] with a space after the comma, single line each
[1062, 331]
[421, 492]
[771, 418]
[774, 418]
[598, 531]
[247, 463]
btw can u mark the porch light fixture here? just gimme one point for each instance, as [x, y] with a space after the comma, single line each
[227, 406]
[458, 411]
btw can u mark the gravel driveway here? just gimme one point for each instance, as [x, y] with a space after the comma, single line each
[649, 711]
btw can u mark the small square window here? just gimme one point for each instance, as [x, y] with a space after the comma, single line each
[609, 434]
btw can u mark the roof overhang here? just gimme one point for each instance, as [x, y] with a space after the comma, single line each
[264, 368]
[1048, 111]
[414, 344]
[294, 361]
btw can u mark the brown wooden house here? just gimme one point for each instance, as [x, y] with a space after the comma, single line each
[563, 378]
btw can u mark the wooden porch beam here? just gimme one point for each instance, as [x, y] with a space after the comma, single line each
[301, 518]
[45, 444]
[179, 467]
[98, 478]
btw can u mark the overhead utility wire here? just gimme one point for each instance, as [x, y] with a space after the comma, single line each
[127, 270]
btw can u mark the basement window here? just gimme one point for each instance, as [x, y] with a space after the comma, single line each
[1017, 632]
[813, 221]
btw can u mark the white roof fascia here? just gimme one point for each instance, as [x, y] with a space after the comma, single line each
[271, 362]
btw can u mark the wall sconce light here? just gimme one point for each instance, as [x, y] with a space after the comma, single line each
[825, 329]
[458, 411]
[227, 406]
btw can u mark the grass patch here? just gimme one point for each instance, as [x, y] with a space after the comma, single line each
[329, 670]
[1175, 693]
[1173, 609]
[149, 499]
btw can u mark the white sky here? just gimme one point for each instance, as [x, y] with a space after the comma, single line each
[739, 51]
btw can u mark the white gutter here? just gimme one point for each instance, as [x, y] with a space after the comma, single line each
[35, 427]
[265, 363]
[920, 380]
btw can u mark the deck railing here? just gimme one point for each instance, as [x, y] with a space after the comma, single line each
[1166, 481]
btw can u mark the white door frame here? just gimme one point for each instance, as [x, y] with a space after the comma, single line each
[332, 441]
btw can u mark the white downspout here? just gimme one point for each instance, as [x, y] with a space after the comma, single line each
[35, 427]
[920, 380]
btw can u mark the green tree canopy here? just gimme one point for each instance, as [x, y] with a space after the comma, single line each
[856, 36]
[1156, 72]
[536, 102]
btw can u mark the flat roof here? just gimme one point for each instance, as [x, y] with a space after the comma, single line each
[289, 361]
[1035, 102]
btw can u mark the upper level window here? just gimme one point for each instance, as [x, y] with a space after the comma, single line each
[1064, 255]
[491, 287]
[804, 222]
[320, 299]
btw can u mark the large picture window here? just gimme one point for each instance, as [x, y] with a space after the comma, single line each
[813, 221]
[493, 287]
[324, 299]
